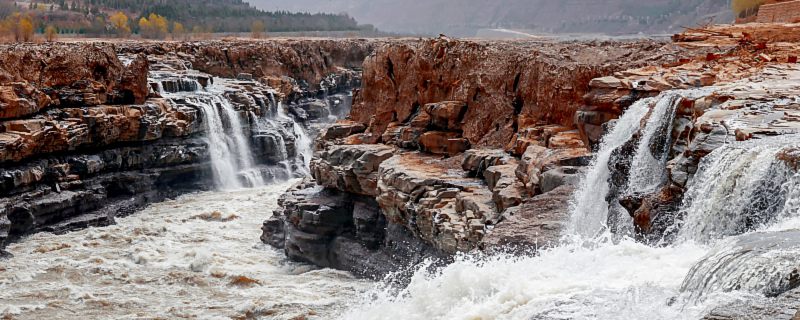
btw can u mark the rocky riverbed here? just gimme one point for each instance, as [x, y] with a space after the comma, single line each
[441, 163]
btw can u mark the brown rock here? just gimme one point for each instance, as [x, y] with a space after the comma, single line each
[534, 225]
[446, 143]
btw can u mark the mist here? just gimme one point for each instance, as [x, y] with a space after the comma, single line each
[474, 17]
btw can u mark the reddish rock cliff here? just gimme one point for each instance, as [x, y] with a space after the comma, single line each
[507, 87]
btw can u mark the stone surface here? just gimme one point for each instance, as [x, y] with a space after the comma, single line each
[506, 86]
[85, 138]
[351, 168]
[536, 224]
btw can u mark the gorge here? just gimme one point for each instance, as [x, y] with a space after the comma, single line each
[428, 178]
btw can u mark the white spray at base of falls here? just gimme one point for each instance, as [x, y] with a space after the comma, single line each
[589, 276]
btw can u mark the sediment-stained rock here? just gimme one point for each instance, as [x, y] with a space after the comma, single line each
[505, 87]
[86, 136]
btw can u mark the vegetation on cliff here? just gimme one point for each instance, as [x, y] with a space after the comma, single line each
[125, 17]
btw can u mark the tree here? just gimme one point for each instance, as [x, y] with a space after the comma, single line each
[119, 21]
[177, 30]
[154, 26]
[50, 33]
[257, 29]
[21, 27]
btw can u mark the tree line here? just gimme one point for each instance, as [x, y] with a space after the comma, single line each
[157, 19]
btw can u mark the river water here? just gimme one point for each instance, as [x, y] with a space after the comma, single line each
[195, 257]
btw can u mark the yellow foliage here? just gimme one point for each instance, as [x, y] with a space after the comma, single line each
[50, 33]
[19, 26]
[257, 29]
[177, 30]
[119, 21]
[154, 26]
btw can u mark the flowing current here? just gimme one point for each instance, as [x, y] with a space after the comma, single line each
[199, 256]
[594, 275]
[195, 257]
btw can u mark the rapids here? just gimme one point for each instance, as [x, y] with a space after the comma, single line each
[195, 257]
[597, 273]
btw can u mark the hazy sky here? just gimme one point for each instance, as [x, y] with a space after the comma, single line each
[465, 17]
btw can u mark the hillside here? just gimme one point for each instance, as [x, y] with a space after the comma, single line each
[465, 17]
[91, 16]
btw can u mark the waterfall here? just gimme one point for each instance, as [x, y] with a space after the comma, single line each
[589, 208]
[648, 168]
[231, 155]
[284, 145]
[740, 187]
[246, 163]
[748, 187]
[303, 143]
[223, 161]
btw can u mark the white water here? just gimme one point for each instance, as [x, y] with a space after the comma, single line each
[590, 209]
[648, 170]
[303, 142]
[174, 260]
[246, 163]
[739, 185]
[222, 152]
[591, 276]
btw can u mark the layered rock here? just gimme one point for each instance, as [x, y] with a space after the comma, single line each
[90, 132]
[295, 68]
[456, 142]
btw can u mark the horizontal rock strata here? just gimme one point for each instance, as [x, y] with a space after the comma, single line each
[454, 143]
[86, 136]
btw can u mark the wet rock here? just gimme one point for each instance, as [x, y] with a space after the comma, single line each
[339, 230]
[557, 177]
[351, 168]
[536, 224]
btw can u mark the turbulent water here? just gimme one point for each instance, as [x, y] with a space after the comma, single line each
[199, 256]
[196, 257]
[596, 275]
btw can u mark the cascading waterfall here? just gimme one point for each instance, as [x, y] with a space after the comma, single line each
[740, 187]
[590, 209]
[587, 277]
[229, 138]
[247, 165]
[647, 170]
[223, 160]
[303, 144]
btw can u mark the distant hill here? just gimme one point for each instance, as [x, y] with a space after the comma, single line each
[465, 17]
[91, 16]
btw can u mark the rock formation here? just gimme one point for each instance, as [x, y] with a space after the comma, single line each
[451, 144]
[87, 135]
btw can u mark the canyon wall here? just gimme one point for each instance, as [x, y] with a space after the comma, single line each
[452, 146]
[92, 131]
